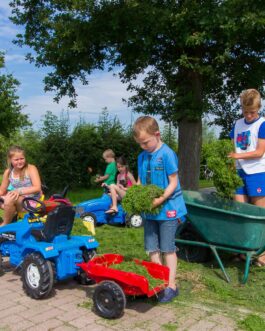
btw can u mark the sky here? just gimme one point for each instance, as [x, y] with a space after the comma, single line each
[104, 89]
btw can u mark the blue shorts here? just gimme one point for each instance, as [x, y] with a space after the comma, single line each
[160, 236]
[253, 185]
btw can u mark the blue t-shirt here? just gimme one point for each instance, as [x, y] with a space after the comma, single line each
[163, 163]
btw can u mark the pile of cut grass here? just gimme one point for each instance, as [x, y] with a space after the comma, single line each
[131, 266]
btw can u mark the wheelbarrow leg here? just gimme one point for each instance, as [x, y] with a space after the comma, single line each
[247, 264]
[213, 248]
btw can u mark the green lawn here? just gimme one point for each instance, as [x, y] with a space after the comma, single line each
[200, 284]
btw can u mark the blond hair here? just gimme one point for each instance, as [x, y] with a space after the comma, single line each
[250, 99]
[145, 123]
[108, 153]
[11, 152]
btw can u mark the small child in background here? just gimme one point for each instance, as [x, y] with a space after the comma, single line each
[111, 169]
[125, 179]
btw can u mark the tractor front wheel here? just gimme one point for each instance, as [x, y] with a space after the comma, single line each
[134, 221]
[37, 276]
[109, 300]
[89, 217]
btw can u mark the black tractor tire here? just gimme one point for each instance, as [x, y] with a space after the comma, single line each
[82, 277]
[109, 300]
[192, 253]
[37, 276]
[89, 216]
[1, 265]
[134, 221]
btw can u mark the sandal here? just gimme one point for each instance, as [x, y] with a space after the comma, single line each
[258, 262]
[239, 258]
[111, 211]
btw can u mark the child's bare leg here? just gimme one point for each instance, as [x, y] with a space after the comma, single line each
[113, 192]
[241, 198]
[171, 262]
[9, 211]
[260, 202]
[155, 257]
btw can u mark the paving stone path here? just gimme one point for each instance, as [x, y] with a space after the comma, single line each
[64, 310]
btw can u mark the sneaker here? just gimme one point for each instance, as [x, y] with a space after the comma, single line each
[168, 295]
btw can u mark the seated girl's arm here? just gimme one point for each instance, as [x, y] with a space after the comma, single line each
[35, 179]
[138, 181]
[131, 177]
[5, 182]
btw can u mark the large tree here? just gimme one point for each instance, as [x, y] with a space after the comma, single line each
[11, 118]
[191, 54]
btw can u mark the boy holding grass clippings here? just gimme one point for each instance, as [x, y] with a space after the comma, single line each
[158, 165]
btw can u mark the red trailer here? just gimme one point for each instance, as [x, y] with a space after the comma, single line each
[113, 285]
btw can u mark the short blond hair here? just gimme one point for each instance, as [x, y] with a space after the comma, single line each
[250, 99]
[108, 153]
[145, 123]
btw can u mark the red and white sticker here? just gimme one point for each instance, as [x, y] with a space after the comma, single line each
[259, 190]
[171, 213]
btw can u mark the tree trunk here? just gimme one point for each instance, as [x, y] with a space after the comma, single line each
[189, 153]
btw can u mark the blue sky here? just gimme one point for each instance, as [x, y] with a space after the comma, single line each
[104, 90]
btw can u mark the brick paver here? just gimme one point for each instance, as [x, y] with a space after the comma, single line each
[64, 311]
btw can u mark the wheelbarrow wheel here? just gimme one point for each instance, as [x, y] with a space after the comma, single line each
[109, 300]
[192, 253]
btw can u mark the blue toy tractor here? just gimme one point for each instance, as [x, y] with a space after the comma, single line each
[94, 211]
[41, 246]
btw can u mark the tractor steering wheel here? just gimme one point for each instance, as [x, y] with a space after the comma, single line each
[39, 208]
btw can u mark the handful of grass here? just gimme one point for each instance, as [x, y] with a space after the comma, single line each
[139, 199]
[131, 266]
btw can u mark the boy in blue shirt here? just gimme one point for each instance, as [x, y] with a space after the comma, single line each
[158, 165]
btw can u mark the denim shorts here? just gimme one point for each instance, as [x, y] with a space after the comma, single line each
[253, 185]
[160, 236]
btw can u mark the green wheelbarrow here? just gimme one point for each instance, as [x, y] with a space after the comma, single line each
[217, 224]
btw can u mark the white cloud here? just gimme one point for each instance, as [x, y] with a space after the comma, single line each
[104, 90]
[18, 58]
[8, 31]
[7, 28]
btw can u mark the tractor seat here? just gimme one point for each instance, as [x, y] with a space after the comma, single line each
[59, 221]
